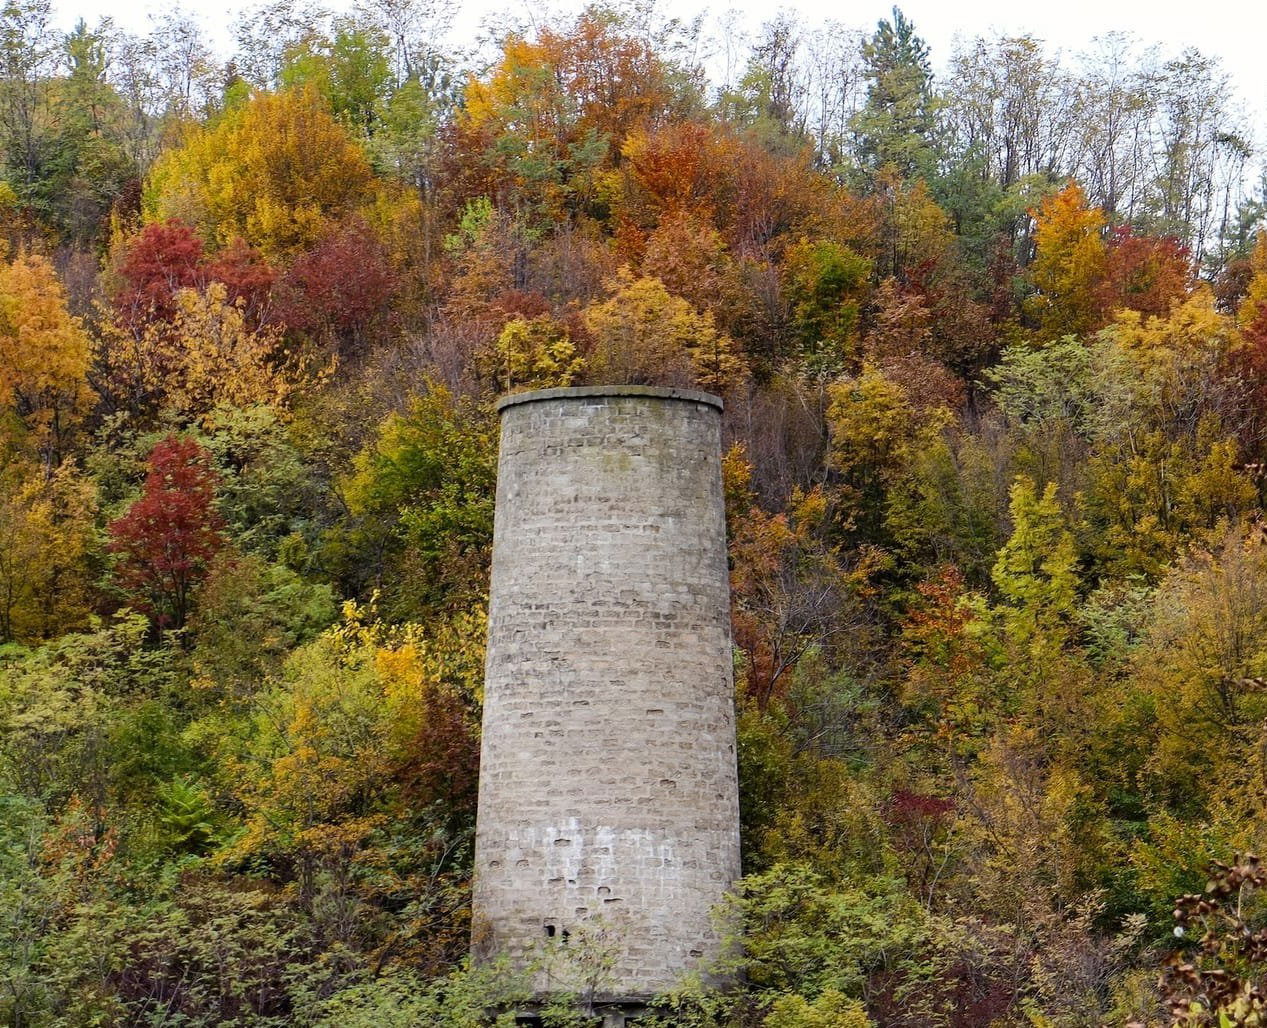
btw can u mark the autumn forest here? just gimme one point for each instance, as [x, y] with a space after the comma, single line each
[993, 348]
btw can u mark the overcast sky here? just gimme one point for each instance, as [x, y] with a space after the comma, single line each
[1233, 30]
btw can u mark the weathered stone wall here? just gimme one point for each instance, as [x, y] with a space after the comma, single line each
[608, 793]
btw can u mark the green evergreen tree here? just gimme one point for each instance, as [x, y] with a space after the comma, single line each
[896, 127]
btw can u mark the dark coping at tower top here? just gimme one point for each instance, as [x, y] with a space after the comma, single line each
[581, 392]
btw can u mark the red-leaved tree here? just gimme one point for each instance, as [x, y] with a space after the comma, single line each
[247, 277]
[343, 287]
[1149, 274]
[165, 541]
[156, 263]
[162, 259]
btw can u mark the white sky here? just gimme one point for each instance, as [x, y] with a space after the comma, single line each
[1232, 30]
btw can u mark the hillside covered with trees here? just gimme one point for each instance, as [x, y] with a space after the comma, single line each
[993, 347]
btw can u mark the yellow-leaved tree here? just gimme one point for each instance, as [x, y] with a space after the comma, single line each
[43, 359]
[1070, 266]
[207, 356]
[533, 353]
[1251, 314]
[46, 535]
[876, 430]
[275, 172]
[1170, 466]
[643, 334]
[1201, 661]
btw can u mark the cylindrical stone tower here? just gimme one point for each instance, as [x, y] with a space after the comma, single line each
[608, 800]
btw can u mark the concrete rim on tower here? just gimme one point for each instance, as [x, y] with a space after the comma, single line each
[581, 392]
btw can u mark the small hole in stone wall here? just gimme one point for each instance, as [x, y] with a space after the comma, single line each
[549, 931]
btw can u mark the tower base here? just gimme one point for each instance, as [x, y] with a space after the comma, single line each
[606, 1014]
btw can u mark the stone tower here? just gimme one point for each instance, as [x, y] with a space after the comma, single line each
[608, 801]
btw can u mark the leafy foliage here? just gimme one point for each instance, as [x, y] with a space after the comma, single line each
[993, 349]
[643, 334]
[43, 358]
[275, 171]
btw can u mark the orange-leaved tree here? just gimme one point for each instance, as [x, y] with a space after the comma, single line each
[1070, 265]
[1149, 274]
[553, 110]
[43, 359]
